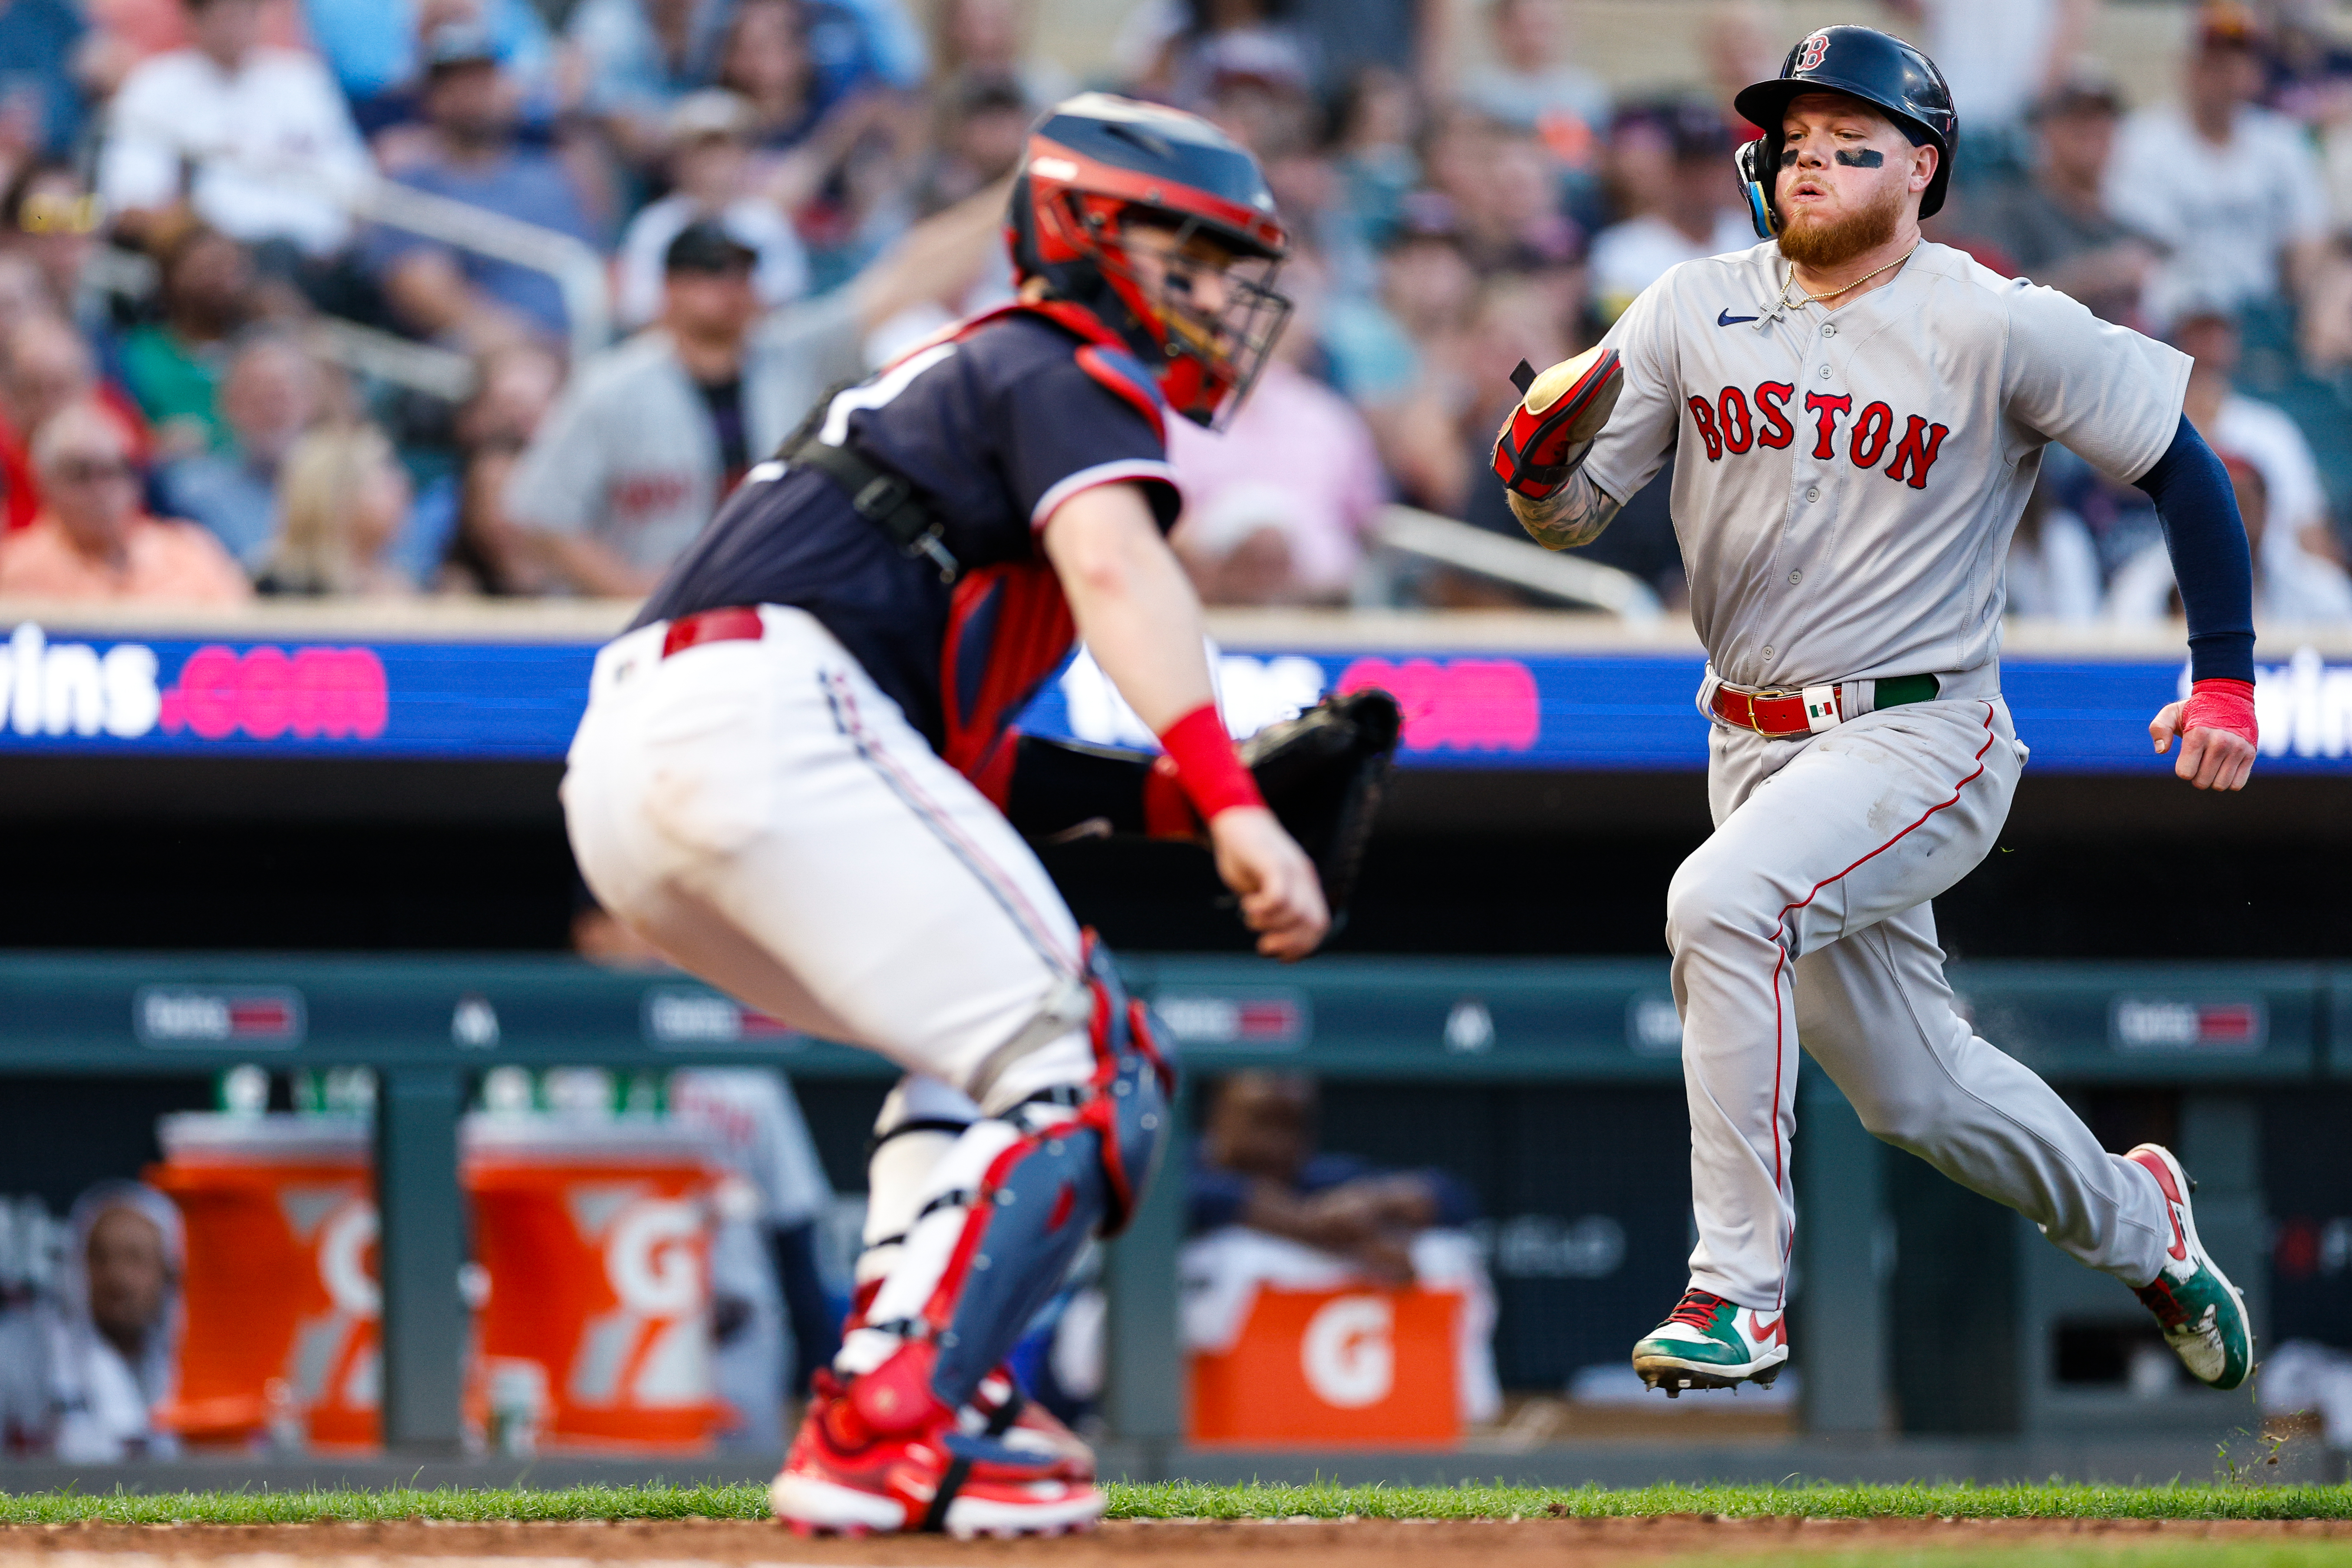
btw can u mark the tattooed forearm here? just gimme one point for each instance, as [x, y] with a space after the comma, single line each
[1572, 515]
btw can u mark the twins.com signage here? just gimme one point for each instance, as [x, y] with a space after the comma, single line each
[67, 692]
[61, 692]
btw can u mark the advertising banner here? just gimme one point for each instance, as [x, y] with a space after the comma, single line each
[65, 693]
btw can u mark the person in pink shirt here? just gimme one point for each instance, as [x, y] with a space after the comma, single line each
[91, 541]
[1276, 504]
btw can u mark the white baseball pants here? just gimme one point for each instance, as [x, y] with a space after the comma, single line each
[1804, 919]
[765, 816]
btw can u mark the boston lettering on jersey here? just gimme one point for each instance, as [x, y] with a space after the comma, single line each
[1738, 421]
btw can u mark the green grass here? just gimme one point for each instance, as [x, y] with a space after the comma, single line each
[1182, 1499]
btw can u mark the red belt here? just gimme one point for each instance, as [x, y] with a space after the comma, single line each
[1776, 714]
[733, 623]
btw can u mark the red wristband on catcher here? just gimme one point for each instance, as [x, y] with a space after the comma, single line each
[2216, 704]
[1207, 768]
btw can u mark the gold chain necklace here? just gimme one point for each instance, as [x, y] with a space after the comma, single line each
[1811, 299]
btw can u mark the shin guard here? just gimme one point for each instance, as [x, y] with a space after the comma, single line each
[1072, 1178]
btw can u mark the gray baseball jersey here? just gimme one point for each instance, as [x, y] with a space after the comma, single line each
[1846, 484]
[1849, 479]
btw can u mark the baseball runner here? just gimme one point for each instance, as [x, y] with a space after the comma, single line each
[791, 773]
[1860, 417]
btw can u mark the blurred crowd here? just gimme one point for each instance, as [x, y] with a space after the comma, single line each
[500, 297]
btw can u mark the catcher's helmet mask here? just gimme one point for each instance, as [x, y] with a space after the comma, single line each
[1099, 167]
[1882, 71]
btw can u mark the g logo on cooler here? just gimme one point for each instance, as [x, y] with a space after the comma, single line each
[1811, 53]
[650, 1260]
[1348, 1351]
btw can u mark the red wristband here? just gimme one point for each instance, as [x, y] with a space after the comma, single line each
[2216, 704]
[1207, 768]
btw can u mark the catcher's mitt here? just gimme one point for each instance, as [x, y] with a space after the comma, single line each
[1322, 773]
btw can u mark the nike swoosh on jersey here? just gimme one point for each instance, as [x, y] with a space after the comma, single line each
[1724, 317]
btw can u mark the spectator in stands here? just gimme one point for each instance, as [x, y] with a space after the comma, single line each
[472, 157]
[2261, 433]
[257, 138]
[982, 128]
[635, 456]
[1378, 120]
[371, 46]
[764, 61]
[1507, 196]
[343, 498]
[641, 57]
[2230, 191]
[489, 555]
[1277, 504]
[91, 541]
[1257, 1165]
[172, 366]
[457, 532]
[1696, 213]
[22, 293]
[1393, 356]
[46, 368]
[40, 101]
[2052, 571]
[82, 1370]
[2292, 586]
[1179, 50]
[710, 173]
[270, 393]
[1533, 78]
[2000, 56]
[2054, 227]
[990, 40]
[49, 217]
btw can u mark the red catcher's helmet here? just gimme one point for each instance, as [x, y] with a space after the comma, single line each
[1098, 166]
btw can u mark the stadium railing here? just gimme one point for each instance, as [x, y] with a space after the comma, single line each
[429, 1027]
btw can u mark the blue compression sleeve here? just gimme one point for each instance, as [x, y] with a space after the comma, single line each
[2206, 540]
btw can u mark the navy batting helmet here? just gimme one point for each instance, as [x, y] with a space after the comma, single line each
[1862, 62]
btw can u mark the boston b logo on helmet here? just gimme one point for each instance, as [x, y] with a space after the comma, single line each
[1861, 62]
[1097, 169]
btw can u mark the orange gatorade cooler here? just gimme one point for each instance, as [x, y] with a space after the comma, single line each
[595, 1235]
[281, 1295]
[1333, 1367]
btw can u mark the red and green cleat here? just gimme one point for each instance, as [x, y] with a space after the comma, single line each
[2203, 1315]
[1709, 1342]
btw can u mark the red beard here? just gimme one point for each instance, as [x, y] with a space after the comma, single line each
[1822, 244]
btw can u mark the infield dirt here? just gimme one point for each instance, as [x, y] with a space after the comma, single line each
[1326, 1543]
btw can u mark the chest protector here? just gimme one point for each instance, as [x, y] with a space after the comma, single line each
[1009, 626]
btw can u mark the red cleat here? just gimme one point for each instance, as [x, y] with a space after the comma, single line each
[884, 1454]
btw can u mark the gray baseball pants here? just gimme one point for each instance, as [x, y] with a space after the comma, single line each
[1804, 919]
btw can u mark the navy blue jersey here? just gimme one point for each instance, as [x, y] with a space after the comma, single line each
[993, 428]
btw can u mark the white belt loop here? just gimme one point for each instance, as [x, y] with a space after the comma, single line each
[1709, 684]
[1821, 710]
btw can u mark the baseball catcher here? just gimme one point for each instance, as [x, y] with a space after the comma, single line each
[791, 772]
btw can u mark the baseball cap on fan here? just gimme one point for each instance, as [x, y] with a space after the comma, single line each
[708, 244]
[2086, 89]
[2227, 25]
[455, 44]
[712, 113]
